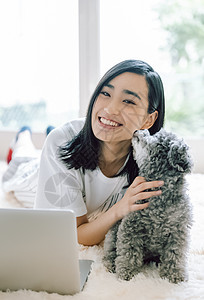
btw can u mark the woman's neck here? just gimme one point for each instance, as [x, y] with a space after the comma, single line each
[113, 157]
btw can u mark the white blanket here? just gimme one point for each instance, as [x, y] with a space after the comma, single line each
[146, 285]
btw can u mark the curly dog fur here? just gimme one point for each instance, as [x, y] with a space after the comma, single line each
[160, 232]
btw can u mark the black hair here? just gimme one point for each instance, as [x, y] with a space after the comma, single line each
[83, 151]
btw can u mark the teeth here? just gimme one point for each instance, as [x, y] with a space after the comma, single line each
[108, 122]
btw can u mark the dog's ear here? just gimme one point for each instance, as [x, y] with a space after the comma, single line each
[179, 157]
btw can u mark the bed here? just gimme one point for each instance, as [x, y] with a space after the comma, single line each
[146, 285]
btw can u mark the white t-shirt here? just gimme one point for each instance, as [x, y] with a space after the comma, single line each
[88, 193]
[48, 183]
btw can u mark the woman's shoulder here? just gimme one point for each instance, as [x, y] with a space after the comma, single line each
[72, 128]
[66, 132]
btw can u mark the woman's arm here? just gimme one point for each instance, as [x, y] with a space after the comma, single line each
[93, 232]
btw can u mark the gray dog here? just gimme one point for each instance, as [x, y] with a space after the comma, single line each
[159, 233]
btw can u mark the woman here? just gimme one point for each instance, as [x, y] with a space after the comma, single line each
[87, 164]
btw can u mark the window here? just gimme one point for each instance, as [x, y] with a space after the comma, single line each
[39, 63]
[169, 36]
[39, 56]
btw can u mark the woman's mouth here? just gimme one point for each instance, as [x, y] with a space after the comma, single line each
[108, 122]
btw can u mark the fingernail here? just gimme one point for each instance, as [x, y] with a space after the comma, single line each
[159, 192]
[161, 182]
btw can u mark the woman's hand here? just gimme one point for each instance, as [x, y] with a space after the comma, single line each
[92, 233]
[135, 192]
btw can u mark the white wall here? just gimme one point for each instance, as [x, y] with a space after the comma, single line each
[197, 149]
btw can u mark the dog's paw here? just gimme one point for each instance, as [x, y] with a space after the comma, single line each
[124, 270]
[109, 264]
[177, 278]
[174, 277]
[124, 274]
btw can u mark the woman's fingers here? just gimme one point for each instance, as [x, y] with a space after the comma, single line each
[138, 180]
[141, 185]
[140, 189]
[139, 206]
[142, 196]
[145, 195]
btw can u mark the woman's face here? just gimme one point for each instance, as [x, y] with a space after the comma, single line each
[121, 108]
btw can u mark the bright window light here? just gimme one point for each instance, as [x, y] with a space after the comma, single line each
[39, 63]
[169, 36]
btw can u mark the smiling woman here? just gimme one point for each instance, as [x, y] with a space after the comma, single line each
[122, 106]
[91, 160]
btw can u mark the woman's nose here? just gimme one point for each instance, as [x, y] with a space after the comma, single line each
[113, 108]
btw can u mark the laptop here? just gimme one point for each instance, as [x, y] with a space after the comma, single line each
[39, 251]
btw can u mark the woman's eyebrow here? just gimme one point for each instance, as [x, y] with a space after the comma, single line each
[132, 93]
[109, 85]
[124, 91]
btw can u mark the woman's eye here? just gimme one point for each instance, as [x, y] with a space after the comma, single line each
[129, 102]
[105, 94]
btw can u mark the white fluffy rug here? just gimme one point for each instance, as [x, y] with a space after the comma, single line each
[144, 286]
